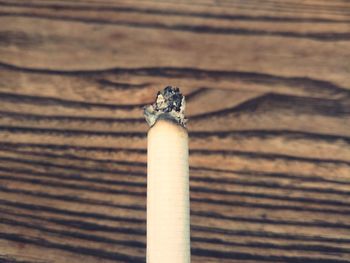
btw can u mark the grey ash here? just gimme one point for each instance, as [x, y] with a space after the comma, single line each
[169, 104]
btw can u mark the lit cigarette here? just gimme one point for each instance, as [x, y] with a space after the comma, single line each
[168, 206]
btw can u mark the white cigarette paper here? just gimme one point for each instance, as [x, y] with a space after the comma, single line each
[168, 205]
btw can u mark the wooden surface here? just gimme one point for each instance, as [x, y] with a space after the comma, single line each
[268, 88]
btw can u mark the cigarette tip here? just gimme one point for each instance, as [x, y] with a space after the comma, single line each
[169, 104]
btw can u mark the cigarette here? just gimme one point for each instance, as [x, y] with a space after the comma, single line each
[168, 205]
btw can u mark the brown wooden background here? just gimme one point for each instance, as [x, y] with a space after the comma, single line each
[268, 88]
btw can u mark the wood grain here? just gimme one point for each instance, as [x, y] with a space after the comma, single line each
[268, 91]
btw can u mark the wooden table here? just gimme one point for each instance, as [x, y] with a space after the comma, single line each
[268, 91]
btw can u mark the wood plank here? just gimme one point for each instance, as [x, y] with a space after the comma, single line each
[268, 100]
